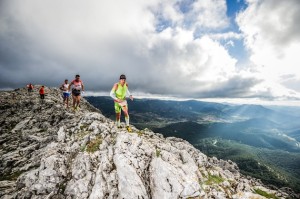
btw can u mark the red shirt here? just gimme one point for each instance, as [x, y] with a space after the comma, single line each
[42, 91]
[77, 84]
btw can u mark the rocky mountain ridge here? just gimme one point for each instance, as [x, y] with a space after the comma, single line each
[48, 151]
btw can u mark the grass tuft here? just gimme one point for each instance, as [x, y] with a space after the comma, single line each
[265, 194]
[94, 145]
[83, 126]
[82, 148]
[140, 133]
[11, 177]
[81, 134]
[213, 179]
[157, 152]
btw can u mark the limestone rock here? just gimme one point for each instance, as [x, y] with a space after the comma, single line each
[48, 151]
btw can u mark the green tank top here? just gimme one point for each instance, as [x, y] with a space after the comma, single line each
[121, 91]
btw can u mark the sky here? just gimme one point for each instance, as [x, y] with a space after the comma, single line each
[214, 49]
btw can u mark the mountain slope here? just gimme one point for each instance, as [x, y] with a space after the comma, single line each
[251, 125]
[48, 151]
[271, 166]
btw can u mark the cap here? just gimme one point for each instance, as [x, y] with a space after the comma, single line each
[122, 76]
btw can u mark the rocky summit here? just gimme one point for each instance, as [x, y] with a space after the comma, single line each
[49, 151]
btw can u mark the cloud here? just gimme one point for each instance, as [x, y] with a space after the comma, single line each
[226, 36]
[210, 14]
[152, 42]
[272, 36]
[51, 40]
[195, 15]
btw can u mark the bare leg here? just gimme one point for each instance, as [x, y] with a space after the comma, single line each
[77, 100]
[67, 102]
[118, 118]
[125, 111]
[74, 100]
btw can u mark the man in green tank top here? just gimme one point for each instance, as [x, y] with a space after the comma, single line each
[118, 93]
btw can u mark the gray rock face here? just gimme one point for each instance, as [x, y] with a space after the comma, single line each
[48, 151]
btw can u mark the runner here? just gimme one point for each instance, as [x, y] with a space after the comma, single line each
[66, 92]
[30, 87]
[119, 93]
[42, 93]
[76, 91]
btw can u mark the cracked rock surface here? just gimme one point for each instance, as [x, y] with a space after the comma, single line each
[48, 151]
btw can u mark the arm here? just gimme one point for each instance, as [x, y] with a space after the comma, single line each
[82, 86]
[113, 94]
[70, 85]
[129, 94]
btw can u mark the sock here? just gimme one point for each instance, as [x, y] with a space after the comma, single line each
[118, 123]
[127, 121]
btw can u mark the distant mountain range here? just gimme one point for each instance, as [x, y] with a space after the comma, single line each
[212, 119]
[267, 131]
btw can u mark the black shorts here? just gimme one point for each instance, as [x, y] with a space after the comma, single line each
[76, 92]
[42, 96]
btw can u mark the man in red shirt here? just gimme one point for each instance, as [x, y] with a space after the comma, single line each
[42, 93]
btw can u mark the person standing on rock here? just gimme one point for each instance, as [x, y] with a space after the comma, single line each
[78, 87]
[66, 92]
[30, 87]
[119, 93]
[42, 93]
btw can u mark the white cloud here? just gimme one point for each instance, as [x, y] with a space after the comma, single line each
[199, 15]
[272, 36]
[48, 41]
[226, 36]
[230, 43]
[210, 13]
